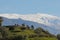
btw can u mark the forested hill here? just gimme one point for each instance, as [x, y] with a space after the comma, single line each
[24, 32]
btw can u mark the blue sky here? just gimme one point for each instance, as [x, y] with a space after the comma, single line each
[30, 6]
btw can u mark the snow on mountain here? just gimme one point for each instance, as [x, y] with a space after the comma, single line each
[52, 23]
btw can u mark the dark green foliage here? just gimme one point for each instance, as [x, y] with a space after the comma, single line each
[11, 28]
[23, 24]
[20, 37]
[17, 38]
[58, 36]
[33, 36]
[23, 28]
[1, 20]
[32, 27]
[3, 33]
[16, 25]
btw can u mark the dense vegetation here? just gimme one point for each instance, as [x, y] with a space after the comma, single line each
[24, 32]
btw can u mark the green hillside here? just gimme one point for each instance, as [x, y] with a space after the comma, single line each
[24, 33]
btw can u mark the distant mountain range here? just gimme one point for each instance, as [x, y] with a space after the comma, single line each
[45, 21]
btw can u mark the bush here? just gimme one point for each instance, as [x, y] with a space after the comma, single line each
[11, 28]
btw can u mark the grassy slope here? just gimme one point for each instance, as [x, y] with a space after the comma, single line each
[44, 38]
[27, 32]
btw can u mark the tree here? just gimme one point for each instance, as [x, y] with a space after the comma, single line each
[11, 28]
[58, 36]
[16, 25]
[3, 31]
[32, 27]
[23, 24]
[1, 20]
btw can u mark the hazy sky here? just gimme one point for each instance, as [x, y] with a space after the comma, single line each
[30, 6]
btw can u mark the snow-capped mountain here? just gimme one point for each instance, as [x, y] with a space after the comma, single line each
[47, 22]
